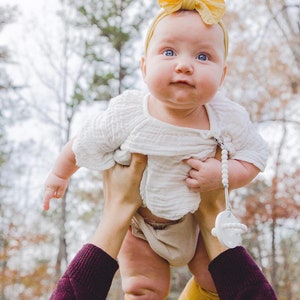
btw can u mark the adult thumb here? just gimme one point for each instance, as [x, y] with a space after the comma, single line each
[138, 162]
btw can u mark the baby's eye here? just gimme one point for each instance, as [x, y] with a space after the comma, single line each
[169, 52]
[202, 57]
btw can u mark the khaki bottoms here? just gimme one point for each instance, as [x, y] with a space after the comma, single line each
[176, 242]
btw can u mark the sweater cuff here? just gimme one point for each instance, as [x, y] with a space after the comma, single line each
[235, 270]
[97, 269]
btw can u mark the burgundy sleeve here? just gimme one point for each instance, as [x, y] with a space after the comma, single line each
[88, 276]
[238, 277]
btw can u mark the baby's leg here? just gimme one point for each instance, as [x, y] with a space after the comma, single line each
[199, 267]
[144, 274]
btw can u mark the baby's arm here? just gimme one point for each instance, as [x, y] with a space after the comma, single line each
[206, 175]
[57, 181]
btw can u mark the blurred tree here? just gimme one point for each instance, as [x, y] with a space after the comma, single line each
[6, 17]
[264, 76]
[14, 234]
[91, 62]
[286, 15]
[94, 59]
[118, 25]
[272, 218]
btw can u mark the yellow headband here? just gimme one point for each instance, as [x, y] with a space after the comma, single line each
[210, 11]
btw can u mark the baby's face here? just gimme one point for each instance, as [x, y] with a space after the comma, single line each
[185, 61]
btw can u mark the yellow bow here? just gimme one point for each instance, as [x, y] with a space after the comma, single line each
[210, 11]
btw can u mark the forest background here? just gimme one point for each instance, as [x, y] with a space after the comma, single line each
[66, 63]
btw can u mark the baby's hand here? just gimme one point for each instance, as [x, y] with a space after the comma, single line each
[55, 187]
[204, 176]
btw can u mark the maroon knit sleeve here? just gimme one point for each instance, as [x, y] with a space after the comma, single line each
[88, 277]
[238, 277]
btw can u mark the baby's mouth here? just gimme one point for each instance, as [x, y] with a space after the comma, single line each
[183, 83]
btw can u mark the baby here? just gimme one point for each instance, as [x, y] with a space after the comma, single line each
[182, 116]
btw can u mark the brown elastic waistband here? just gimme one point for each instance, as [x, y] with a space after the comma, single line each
[160, 225]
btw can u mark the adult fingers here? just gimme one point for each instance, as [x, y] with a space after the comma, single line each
[138, 162]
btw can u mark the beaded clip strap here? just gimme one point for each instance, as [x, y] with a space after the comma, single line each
[227, 228]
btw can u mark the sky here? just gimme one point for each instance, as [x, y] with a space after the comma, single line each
[29, 11]
[30, 17]
[33, 18]
[21, 36]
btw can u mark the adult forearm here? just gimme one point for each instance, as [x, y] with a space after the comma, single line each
[111, 231]
[88, 276]
[235, 274]
[122, 199]
[211, 204]
[238, 277]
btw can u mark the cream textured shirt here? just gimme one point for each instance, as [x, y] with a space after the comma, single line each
[127, 127]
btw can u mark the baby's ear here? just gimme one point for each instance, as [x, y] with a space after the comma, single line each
[143, 66]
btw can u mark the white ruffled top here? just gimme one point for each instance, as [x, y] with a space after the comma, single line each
[127, 127]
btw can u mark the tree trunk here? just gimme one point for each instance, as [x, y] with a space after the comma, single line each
[274, 268]
[62, 256]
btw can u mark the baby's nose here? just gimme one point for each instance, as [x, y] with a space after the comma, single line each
[184, 66]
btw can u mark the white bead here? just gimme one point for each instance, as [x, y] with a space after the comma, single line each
[224, 157]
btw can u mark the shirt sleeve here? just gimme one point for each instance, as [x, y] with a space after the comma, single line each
[102, 135]
[249, 145]
[237, 276]
[88, 277]
[239, 134]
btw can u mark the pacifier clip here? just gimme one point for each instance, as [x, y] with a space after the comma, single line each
[227, 227]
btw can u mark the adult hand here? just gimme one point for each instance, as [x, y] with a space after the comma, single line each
[122, 199]
[212, 203]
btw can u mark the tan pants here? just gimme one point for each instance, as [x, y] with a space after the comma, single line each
[176, 243]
